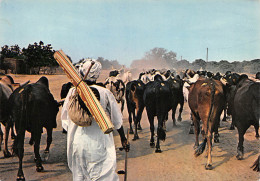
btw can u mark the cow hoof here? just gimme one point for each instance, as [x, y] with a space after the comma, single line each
[20, 178]
[208, 167]
[13, 137]
[7, 154]
[39, 169]
[191, 130]
[216, 140]
[131, 131]
[45, 156]
[257, 136]
[135, 138]
[239, 157]
[158, 150]
[179, 119]
[139, 128]
[152, 145]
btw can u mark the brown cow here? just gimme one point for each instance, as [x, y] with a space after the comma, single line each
[206, 101]
[7, 86]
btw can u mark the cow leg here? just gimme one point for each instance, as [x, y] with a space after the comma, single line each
[6, 152]
[37, 159]
[1, 137]
[135, 132]
[151, 121]
[173, 115]
[19, 147]
[191, 128]
[240, 148]
[49, 141]
[191, 125]
[208, 166]
[225, 115]
[197, 130]
[256, 130]
[130, 123]
[216, 134]
[158, 149]
[13, 136]
[232, 126]
[160, 132]
[181, 109]
[122, 105]
[138, 117]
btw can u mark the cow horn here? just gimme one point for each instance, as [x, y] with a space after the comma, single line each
[27, 82]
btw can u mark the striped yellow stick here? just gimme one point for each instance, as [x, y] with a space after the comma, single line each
[85, 92]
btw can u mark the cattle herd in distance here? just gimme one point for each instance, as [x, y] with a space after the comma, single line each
[32, 107]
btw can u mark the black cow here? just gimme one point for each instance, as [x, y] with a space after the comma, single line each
[135, 104]
[158, 102]
[257, 75]
[245, 109]
[32, 107]
[65, 89]
[206, 102]
[113, 73]
[176, 86]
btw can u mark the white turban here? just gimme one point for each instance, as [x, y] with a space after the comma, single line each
[94, 71]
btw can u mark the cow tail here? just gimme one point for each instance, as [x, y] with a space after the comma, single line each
[202, 146]
[212, 95]
[211, 104]
[130, 96]
[161, 133]
[23, 116]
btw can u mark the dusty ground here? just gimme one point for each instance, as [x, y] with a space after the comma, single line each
[176, 162]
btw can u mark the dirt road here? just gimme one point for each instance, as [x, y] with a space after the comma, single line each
[176, 162]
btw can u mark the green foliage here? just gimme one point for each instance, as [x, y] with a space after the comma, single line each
[37, 55]
[11, 52]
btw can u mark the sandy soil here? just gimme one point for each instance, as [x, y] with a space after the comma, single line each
[176, 162]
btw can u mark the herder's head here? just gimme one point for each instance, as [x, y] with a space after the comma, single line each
[94, 71]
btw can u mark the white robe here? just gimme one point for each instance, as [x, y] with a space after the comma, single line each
[91, 153]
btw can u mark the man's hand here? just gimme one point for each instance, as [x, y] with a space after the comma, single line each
[126, 145]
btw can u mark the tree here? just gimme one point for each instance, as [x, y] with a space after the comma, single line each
[159, 57]
[37, 55]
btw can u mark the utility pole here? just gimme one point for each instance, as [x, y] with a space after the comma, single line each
[207, 55]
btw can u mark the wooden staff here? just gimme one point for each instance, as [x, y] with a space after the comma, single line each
[85, 92]
[126, 156]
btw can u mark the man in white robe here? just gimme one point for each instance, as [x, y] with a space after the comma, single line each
[91, 153]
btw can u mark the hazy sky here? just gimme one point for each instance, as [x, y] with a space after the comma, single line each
[125, 29]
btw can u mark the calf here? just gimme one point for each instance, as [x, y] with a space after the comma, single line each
[206, 102]
[135, 104]
[158, 102]
[117, 87]
[32, 107]
[245, 109]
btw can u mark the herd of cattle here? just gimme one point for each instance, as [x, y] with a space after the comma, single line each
[30, 107]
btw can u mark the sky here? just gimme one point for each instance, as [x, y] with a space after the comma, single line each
[124, 30]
